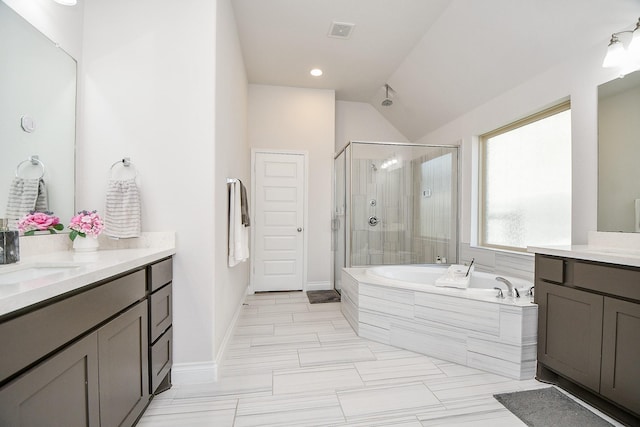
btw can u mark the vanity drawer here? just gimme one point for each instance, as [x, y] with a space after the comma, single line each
[33, 335]
[160, 307]
[161, 359]
[622, 282]
[550, 269]
[160, 274]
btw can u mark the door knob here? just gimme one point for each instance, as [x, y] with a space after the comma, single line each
[299, 229]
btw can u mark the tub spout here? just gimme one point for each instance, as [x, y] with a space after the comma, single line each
[512, 292]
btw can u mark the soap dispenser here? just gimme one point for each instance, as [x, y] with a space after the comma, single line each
[9, 243]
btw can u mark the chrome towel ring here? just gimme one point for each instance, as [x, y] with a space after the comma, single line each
[35, 161]
[125, 162]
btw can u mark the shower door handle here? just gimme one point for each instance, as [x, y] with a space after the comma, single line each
[299, 230]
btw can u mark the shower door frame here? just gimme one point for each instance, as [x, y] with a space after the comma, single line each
[349, 179]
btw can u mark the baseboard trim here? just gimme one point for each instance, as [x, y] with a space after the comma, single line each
[318, 286]
[194, 373]
[205, 372]
[230, 331]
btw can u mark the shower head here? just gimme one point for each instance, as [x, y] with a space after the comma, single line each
[387, 102]
[374, 167]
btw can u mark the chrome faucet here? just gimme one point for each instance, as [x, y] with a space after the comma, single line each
[512, 292]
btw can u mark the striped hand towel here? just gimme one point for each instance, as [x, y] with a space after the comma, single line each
[122, 214]
[26, 195]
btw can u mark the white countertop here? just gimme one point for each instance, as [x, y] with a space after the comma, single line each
[621, 256]
[88, 268]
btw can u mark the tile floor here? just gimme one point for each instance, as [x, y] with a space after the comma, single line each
[291, 363]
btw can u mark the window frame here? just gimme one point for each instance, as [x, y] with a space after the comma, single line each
[482, 167]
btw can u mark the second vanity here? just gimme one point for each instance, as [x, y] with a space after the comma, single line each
[86, 337]
[589, 323]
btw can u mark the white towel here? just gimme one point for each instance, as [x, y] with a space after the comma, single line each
[238, 233]
[122, 214]
[26, 195]
[454, 277]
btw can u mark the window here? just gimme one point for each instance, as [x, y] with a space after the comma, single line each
[525, 195]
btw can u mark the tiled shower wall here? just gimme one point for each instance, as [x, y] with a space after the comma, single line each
[414, 227]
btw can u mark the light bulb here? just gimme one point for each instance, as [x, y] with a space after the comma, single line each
[634, 45]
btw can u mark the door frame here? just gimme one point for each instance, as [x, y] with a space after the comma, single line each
[305, 214]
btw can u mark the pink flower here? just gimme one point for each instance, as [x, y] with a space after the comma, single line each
[85, 224]
[39, 221]
[42, 221]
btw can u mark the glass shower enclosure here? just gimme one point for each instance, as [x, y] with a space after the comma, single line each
[394, 203]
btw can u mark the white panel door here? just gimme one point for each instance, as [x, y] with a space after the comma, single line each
[279, 216]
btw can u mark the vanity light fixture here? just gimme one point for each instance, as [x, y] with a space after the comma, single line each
[316, 72]
[618, 55]
[67, 2]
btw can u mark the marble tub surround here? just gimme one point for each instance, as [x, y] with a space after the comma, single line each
[614, 248]
[488, 333]
[111, 259]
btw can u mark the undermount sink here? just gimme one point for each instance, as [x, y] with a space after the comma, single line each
[29, 272]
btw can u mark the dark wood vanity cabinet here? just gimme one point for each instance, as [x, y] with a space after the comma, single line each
[123, 368]
[589, 332]
[621, 353]
[570, 337]
[35, 398]
[84, 359]
[160, 321]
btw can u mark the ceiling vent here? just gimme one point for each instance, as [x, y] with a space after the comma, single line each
[341, 30]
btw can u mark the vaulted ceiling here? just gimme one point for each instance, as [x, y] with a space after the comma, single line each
[442, 58]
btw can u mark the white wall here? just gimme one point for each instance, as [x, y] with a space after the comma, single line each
[149, 93]
[232, 159]
[576, 78]
[286, 118]
[359, 121]
[62, 24]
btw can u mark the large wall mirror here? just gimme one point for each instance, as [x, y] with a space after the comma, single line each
[37, 115]
[619, 154]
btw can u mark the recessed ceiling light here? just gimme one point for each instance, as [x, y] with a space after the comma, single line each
[316, 72]
[67, 2]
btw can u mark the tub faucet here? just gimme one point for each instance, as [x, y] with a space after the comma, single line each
[512, 292]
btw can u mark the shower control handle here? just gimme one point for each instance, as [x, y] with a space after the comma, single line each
[373, 221]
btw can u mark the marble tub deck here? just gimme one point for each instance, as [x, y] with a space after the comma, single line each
[292, 363]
